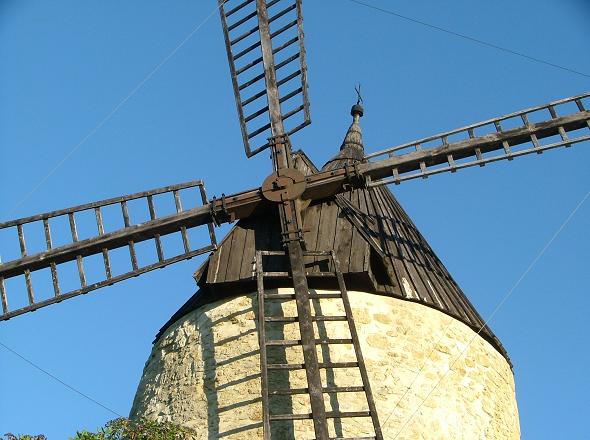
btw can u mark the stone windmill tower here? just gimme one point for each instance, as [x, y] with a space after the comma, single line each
[204, 370]
[324, 313]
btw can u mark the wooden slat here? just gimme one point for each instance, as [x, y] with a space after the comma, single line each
[329, 415]
[226, 255]
[79, 261]
[210, 226]
[117, 278]
[326, 233]
[414, 248]
[409, 254]
[326, 390]
[262, 347]
[100, 203]
[290, 296]
[425, 268]
[246, 268]
[105, 252]
[236, 254]
[157, 240]
[183, 233]
[296, 342]
[131, 244]
[311, 226]
[23, 252]
[534, 138]
[52, 266]
[581, 107]
[302, 296]
[3, 296]
[343, 237]
[562, 132]
[357, 241]
[392, 243]
[357, 349]
[322, 365]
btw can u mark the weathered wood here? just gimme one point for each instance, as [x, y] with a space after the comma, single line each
[130, 243]
[183, 233]
[52, 266]
[105, 252]
[236, 254]
[343, 238]
[3, 296]
[466, 148]
[27, 272]
[247, 265]
[357, 349]
[414, 248]
[358, 244]
[326, 234]
[314, 382]
[262, 347]
[254, 20]
[157, 240]
[320, 185]
[115, 279]
[76, 254]
[392, 244]
[101, 203]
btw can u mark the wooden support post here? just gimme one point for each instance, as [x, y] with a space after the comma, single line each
[3, 296]
[291, 228]
[152, 210]
[178, 205]
[130, 243]
[23, 252]
[105, 251]
[314, 381]
[52, 265]
[79, 260]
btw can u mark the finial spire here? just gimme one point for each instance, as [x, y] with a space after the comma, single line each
[357, 111]
[351, 150]
[354, 136]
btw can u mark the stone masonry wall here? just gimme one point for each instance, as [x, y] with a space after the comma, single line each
[204, 373]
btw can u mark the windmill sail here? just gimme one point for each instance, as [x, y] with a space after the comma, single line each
[264, 42]
[560, 123]
[73, 247]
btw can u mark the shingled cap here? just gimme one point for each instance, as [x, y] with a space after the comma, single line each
[379, 248]
[352, 149]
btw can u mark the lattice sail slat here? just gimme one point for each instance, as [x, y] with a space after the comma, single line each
[558, 124]
[101, 242]
[245, 25]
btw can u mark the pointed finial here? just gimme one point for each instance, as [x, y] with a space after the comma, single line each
[354, 138]
[357, 111]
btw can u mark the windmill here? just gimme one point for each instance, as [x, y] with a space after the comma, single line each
[395, 168]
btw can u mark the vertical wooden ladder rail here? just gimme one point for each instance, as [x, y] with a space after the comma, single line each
[354, 341]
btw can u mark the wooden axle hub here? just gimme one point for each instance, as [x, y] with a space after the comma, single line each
[284, 185]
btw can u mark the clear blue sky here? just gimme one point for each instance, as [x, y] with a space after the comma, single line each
[64, 66]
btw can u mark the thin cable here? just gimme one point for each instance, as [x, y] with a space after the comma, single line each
[498, 307]
[114, 110]
[57, 379]
[467, 37]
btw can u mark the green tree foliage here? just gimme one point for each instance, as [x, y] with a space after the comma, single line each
[124, 429]
[10, 436]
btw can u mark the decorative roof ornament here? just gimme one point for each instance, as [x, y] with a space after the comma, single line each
[354, 136]
[352, 149]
